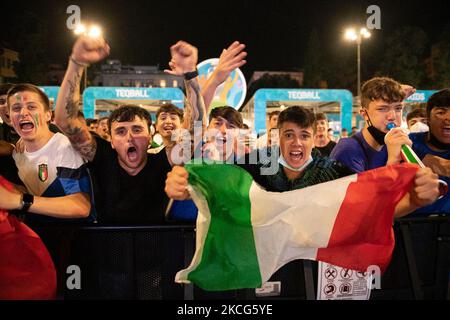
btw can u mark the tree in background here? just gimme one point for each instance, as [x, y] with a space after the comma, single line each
[340, 69]
[403, 57]
[30, 39]
[441, 61]
[313, 66]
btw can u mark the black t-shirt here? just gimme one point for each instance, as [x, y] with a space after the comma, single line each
[325, 151]
[124, 199]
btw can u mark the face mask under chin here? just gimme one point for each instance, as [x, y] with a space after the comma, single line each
[378, 135]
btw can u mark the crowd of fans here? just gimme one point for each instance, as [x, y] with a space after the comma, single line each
[110, 170]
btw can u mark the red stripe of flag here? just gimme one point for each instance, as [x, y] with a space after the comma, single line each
[364, 237]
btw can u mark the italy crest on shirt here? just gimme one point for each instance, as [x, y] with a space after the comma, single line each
[43, 172]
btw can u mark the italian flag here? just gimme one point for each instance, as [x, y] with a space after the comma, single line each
[245, 233]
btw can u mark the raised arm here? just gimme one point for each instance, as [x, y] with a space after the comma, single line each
[230, 59]
[184, 57]
[86, 50]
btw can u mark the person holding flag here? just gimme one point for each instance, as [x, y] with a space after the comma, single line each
[245, 233]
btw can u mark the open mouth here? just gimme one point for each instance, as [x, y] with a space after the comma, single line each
[222, 140]
[132, 154]
[446, 130]
[169, 127]
[26, 126]
[296, 155]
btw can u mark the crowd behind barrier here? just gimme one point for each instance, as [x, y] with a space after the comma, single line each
[140, 262]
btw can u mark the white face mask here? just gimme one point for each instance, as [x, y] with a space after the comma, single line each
[419, 127]
[283, 162]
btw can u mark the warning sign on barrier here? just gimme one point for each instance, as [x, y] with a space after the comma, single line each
[336, 283]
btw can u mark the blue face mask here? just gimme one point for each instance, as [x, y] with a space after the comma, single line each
[283, 162]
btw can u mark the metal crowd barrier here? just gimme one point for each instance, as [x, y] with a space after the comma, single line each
[140, 262]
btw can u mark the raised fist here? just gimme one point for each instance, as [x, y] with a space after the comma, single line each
[184, 58]
[89, 50]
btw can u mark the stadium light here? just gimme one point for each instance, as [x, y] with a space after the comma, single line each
[352, 35]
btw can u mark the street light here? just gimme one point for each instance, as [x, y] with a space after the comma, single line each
[352, 35]
[93, 31]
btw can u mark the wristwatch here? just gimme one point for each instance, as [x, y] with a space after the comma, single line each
[27, 201]
[191, 75]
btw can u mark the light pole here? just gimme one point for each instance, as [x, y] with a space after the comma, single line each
[352, 35]
[94, 31]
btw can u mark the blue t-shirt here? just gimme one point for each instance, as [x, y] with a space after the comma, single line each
[356, 154]
[422, 149]
[185, 210]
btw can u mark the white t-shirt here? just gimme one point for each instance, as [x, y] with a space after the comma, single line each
[55, 170]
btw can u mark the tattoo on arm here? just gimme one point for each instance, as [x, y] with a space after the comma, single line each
[82, 141]
[79, 134]
[194, 105]
[73, 97]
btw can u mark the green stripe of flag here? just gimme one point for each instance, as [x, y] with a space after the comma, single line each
[222, 264]
[411, 157]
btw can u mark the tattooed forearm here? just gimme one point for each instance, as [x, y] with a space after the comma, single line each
[82, 141]
[88, 150]
[66, 113]
[194, 105]
[73, 131]
[73, 96]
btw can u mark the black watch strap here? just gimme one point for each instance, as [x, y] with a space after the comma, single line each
[27, 201]
[191, 75]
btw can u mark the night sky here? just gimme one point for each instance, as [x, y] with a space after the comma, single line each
[275, 32]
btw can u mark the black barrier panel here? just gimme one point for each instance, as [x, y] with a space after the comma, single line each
[424, 273]
[289, 283]
[120, 263]
[141, 263]
[290, 280]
